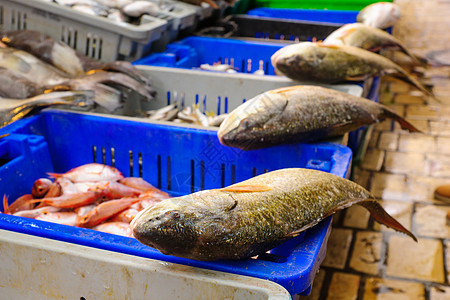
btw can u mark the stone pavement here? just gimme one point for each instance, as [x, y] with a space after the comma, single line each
[366, 260]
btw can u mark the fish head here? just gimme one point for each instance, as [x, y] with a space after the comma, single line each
[297, 59]
[250, 120]
[166, 226]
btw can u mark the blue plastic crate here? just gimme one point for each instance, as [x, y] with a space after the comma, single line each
[316, 15]
[191, 52]
[175, 159]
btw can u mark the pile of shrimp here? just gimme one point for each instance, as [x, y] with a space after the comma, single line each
[92, 196]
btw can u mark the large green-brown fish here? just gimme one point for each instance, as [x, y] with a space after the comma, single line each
[307, 61]
[369, 38]
[250, 217]
[300, 114]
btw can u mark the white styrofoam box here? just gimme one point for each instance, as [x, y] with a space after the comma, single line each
[39, 268]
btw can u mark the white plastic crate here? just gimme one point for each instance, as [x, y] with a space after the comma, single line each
[93, 36]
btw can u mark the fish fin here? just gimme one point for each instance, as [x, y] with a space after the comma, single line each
[404, 76]
[403, 122]
[356, 78]
[348, 31]
[54, 175]
[381, 216]
[328, 46]
[246, 188]
[5, 205]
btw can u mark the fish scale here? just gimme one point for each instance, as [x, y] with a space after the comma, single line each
[251, 217]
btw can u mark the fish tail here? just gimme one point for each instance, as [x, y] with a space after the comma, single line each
[5, 205]
[406, 77]
[402, 121]
[126, 68]
[381, 216]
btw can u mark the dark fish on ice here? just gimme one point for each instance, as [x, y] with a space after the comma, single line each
[251, 217]
[300, 114]
[307, 61]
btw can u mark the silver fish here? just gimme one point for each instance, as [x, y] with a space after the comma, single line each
[380, 15]
[13, 110]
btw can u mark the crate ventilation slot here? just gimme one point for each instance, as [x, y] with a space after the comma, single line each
[18, 19]
[69, 36]
[94, 46]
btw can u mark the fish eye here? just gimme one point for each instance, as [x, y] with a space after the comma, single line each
[173, 214]
[245, 123]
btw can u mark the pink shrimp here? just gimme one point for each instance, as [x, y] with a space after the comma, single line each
[119, 228]
[105, 211]
[90, 172]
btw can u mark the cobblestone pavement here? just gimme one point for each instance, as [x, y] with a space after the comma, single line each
[366, 260]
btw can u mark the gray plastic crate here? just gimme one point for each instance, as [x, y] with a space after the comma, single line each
[96, 37]
[217, 92]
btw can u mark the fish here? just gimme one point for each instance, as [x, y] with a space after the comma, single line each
[41, 187]
[59, 217]
[105, 211]
[33, 213]
[115, 190]
[70, 200]
[199, 2]
[307, 61]
[137, 183]
[380, 15]
[119, 228]
[30, 67]
[63, 57]
[139, 8]
[251, 217]
[21, 203]
[300, 113]
[369, 38]
[15, 109]
[90, 172]
[125, 216]
[15, 86]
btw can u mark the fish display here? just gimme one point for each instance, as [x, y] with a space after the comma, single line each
[300, 114]
[34, 77]
[307, 61]
[210, 2]
[187, 115]
[93, 196]
[128, 11]
[369, 38]
[380, 15]
[63, 57]
[251, 217]
[12, 110]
